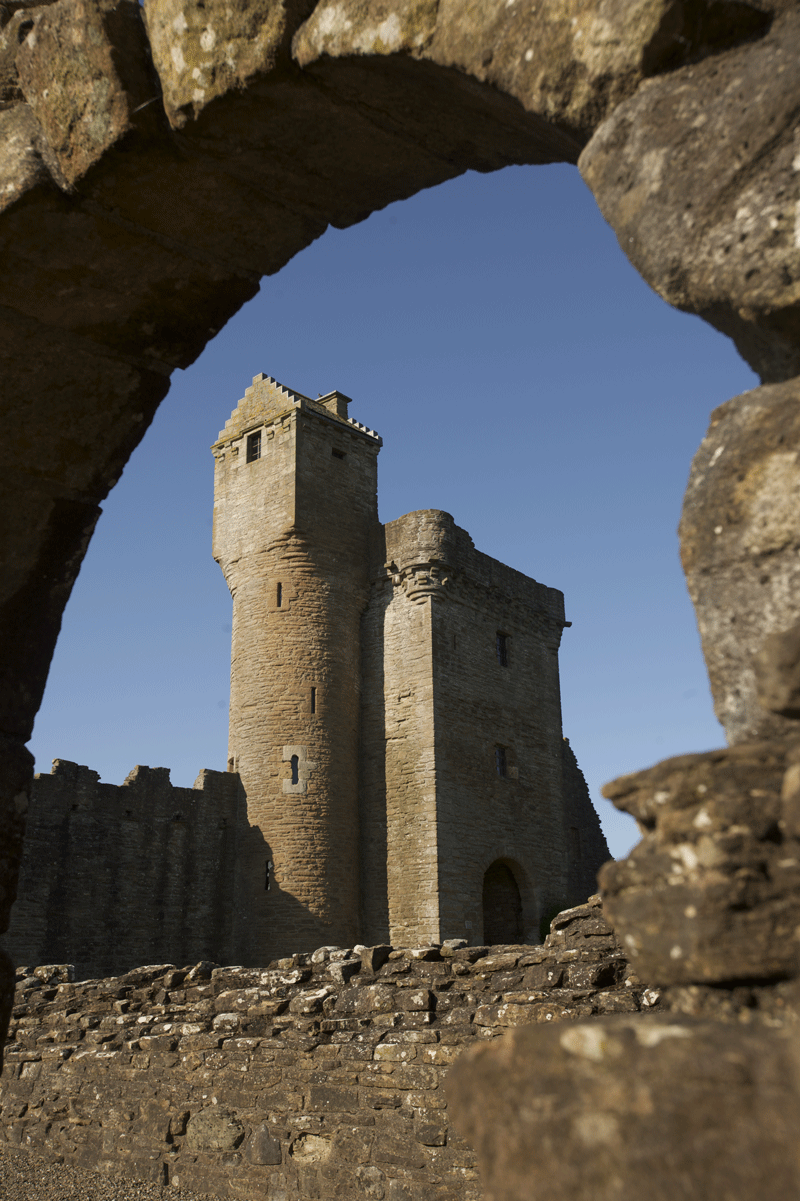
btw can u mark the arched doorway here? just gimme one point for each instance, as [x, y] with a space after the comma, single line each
[502, 906]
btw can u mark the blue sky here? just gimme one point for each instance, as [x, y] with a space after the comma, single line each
[523, 378]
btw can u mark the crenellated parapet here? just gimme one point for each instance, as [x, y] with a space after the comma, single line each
[123, 874]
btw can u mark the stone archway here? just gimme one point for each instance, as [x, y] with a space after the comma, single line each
[156, 162]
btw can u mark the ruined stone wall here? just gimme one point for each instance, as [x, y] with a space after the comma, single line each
[587, 845]
[323, 1075]
[291, 533]
[115, 876]
[444, 705]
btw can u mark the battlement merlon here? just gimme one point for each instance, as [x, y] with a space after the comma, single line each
[266, 402]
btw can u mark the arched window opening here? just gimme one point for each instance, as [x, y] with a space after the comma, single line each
[502, 906]
[294, 763]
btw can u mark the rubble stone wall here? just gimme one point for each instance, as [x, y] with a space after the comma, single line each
[320, 1076]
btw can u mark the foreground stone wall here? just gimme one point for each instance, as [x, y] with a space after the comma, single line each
[320, 1076]
[123, 874]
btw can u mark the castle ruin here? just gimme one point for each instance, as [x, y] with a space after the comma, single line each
[395, 705]
[396, 766]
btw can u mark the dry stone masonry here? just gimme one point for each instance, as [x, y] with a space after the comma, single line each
[322, 1075]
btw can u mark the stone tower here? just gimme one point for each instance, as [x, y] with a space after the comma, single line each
[476, 821]
[295, 504]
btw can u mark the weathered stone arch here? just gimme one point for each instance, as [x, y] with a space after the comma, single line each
[156, 162]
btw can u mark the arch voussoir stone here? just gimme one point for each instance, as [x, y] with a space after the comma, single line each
[697, 173]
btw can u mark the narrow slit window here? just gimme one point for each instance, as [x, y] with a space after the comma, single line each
[267, 876]
[501, 760]
[253, 447]
[279, 595]
[313, 700]
[502, 649]
[295, 764]
[338, 454]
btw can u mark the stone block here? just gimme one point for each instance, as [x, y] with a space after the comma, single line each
[414, 999]
[311, 1148]
[369, 999]
[262, 1147]
[395, 1052]
[400, 1150]
[414, 1077]
[608, 49]
[505, 1015]
[371, 1181]
[378, 1099]
[373, 958]
[632, 1107]
[615, 1002]
[213, 1129]
[83, 69]
[353, 1144]
[438, 1054]
[496, 963]
[431, 1134]
[739, 535]
[310, 1001]
[698, 189]
[712, 892]
[344, 970]
[202, 51]
[326, 1098]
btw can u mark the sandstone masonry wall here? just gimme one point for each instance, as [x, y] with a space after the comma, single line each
[122, 875]
[319, 1077]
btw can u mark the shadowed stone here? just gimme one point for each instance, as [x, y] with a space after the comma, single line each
[648, 1107]
[740, 537]
[263, 1148]
[777, 672]
[711, 894]
[213, 1130]
[696, 174]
